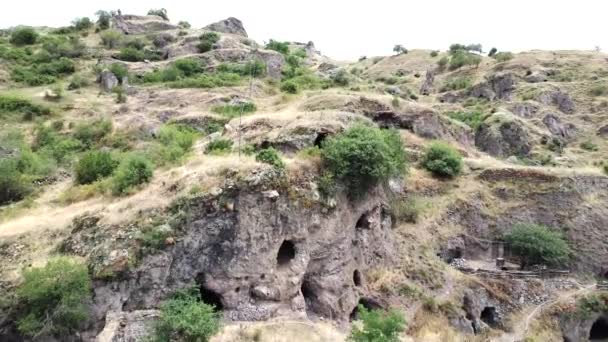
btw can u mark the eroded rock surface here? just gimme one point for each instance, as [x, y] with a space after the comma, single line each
[230, 25]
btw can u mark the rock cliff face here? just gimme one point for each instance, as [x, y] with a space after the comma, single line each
[261, 252]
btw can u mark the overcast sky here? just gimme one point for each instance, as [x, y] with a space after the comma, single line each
[349, 29]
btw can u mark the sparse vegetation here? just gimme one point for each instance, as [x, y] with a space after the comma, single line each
[503, 56]
[599, 90]
[134, 170]
[174, 142]
[95, 165]
[399, 49]
[111, 38]
[270, 156]
[103, 19]
[434, 53]
[363, 156]
[471, 118]
[13, 104]
[219, 146]
[589, 145]
[159, 12]
[54, 297]
[536, 244]
[207, 40]
[282, 47]
[234, 110]
[377, 326]
[23, 36]
[442, 160]
[185, 317]
[456, 84]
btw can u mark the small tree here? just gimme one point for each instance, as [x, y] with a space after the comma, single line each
[159, 12]
[54, 298]
[270, 156]
[492, 52]
[282, 47]
[131, 172]
[536, 244]
[82, 24]
[103, 19]
[111, 38]
[23, 36]
[442, 160]
[184, 24]
[377, 326]
[207, 40]
[95, 165]
[399, 49]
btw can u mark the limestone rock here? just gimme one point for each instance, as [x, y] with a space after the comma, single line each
[427, 85]
[135, 24]
[502, 136]
[231, 25]
[558, 128]
[108, 81]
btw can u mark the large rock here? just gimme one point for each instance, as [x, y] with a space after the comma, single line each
[135, 24]
[231, 25]
[501, 135]
[128, 326]
[558, 128]
[427, 85]
[524, 109]
[108, 81]
[497, 86]
[562, 100]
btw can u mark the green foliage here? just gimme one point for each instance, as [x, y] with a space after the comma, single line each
[82, 24]
[591, 304]
[434, 53]
[135, 43]
[131, 54]
[119, 70]
[599, 90]
[134, 170]
[54, 298]
[184, 24]
[234, 110]
[537, 244]
[111, 38]
[503, 56]
[462, 58]
[589, 145]
[220, 79]
[456, 84]
[103, 19]
[78, 81]
[121, 94]
[174, 142]
[340, 78]
[13, 185]
[326, 184]
[186, 318]
[473, 118]
[23, 36]
[408, 209]
[188, 66]
[12, 104]
[270, 156]
[363, 156]
[62, 46]
[289, 87]
[219, 146]
[492, 52]
[207, 40]
[443, 62]
[94, 165]
[159, 12]
[399, 49]
[255, 68]
[282, 47]
[90, 133]
[442, 160]
[377, 326]
[43, 73]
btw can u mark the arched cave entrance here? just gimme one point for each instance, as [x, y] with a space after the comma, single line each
[357, 278]
[599, 329]
[265, 144]
[286, 253]
[363, 222]
[320, 139]
[209, 296]
[368, 303]
[489, 316]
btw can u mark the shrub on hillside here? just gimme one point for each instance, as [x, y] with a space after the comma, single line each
[131, 54]
[90, 133]
[184, 24]
[43, 73]
[234, 110]
[159, 12]
[119, 70]
[82, 24]
[13, 186]
[456, 84]
[134, 170]
[23, 36]
[255, 68]
[95, 165]
[111, 38]
[492, 52]
[185, 317]
[188, 66]
[472, 119]
[270, 156]
[462, 58]
[434, 53]
[219, 146]
[503, 56]
[207, 40]
[443, 62]
[377, 326]
[174, 143]
[54, 298]
[537, 244]
[220, 79]
[103, 19]
[282, 47]
[364, 156]
[442, 160]
[289, 87]
[11, 104]
[340, 78]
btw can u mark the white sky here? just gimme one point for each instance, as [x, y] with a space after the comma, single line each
[349, 29]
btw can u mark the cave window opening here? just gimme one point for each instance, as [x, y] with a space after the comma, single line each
[457, 253]
[367, 303]
[599, 329]
[309, 295]
[489, 316]
[287, 252]
[212, 298]
[320, 139]
[363, 222]
[606, 275]
[265, 144]
[357, 278]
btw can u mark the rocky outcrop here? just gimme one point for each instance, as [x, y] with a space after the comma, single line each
[503, 136]
[482, 310]
[127, 326]
[562, 100]
[108, 81]
[603, 131]
[497, 86]
[558, 128]
[231, 25]
[427, 84]
[258, 249]
[525, 109]
[134, 24]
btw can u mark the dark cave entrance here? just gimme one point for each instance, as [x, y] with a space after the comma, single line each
[357, 278]
[362, 222]
[599, 329]
[208, 296]
[368, 303]
[489, 316]
[286, 253]
[309, 294]
[320, 139]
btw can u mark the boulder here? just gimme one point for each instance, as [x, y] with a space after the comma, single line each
[524, 109]
[536, 77]
[502, 136]
[498, 86]
[562, 100]
[427, 84]
[231, 25]
[603, 131]
[558, 128]
[108, 81]
[135, 24]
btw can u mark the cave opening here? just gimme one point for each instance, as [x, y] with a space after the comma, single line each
[209, 296]
[367, 303]
[599, 329]
[287, 252]
[357, 278]
[309, 294]
[489, 316]
[362, 222]
[320, 139]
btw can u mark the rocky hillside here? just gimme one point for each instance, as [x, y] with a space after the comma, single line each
[165, 182]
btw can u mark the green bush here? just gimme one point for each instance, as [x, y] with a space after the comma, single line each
[492, 52]
[121, 94]
[43, 73]
[442, 160]
[456, 84]
[443, 62]
[184, 24]
[54, 298]
[255, 68]
[589, 145]
[472, 119]
[462, 58]
[134, 170]
[207, 40]
[434, 53]
[377, 326]
[159, 12]
[95, 165]
[135, 43]
[188, 66]
[234, 110]
[219, 146]
[186, 318]
[78, 81]
[103, 19]
[90, 133]
[23, 36]
[289, 87]
[503, 56]
[82, 24]
[599, 90]
[537, 244]
[119, 70]
[220, 79]
[111, 38]
[364, 156]
[282, 47]
[340, 78]
[12, 104]
[400, 49]
[174, 142]
[131, 54]
[63, 46]
[270, 156]
[13, 185]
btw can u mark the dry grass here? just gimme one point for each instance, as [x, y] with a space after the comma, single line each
[280, 331]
